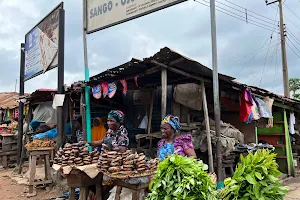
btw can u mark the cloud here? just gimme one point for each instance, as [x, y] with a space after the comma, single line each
[184, 28]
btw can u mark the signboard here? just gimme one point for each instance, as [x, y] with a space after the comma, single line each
[41, 45]
[101, 14]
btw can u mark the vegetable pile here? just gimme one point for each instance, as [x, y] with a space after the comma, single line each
[179, 177]
[256, 177]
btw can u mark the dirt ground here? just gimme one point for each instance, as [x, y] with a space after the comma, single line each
[10, 189]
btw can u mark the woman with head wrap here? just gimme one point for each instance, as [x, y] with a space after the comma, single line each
[116, 138]
[169, 144]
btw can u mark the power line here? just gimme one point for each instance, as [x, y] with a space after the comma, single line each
[240, 17]
[293, 36]
[244, 11]
[293, 44]
[287, 18]
[292, 11]
[293, 50]
[249, 10]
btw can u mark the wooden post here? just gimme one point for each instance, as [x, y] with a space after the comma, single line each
[151, 111]
[210, 154]
[82, 113]
[163, 93]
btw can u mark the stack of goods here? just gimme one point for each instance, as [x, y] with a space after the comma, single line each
[76, 154]
[39, 144]
[179, 177]
[127, 163]
[256, 177]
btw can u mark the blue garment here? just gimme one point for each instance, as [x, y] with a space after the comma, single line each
[165, 151]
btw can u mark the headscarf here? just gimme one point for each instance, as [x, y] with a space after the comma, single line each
[173, 121]
[117, 115]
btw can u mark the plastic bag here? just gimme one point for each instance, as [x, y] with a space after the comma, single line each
[49, 134]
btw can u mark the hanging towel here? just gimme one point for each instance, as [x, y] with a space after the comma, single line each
[292, 123]
[97, 91]
[124, 84]
[104, 88]
[112, 89]
[245, 106]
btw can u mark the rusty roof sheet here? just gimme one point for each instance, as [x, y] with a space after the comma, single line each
[9, 100]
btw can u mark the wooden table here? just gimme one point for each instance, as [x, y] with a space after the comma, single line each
[7, 142]
[33, 154]
[135, 188]
[79, 179]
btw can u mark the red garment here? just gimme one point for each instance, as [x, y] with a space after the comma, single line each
[246, 104]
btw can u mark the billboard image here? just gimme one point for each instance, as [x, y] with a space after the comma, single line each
[101, 14]
[41, 46]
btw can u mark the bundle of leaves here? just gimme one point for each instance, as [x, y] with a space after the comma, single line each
[179, 178]
[256, 177]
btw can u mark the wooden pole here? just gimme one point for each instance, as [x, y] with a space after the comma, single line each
[150, 112]
[163, 93]
[82, 113]
[209, 147]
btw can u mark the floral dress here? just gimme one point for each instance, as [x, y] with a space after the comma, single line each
[180, 145]
[116, 138]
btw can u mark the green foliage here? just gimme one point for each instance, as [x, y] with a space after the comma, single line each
[255, 178]
[294, 85]
[179, 178]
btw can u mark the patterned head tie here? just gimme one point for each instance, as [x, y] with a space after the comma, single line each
[117, 115]
[173, 121]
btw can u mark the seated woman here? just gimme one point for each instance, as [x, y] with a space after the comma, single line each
[116, 138]
[170, 144]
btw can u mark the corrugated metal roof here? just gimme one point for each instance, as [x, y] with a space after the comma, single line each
[172, 59]
[9, 100]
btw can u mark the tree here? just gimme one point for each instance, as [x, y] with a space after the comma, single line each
[294, 85]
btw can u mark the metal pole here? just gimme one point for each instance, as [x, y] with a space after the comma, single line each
[164, 88]
[60, 88]
[21, 104]
[209, 148]
[283, 54]
[86, 78]
[217, 111]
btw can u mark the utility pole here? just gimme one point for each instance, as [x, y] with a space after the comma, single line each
[283, 50]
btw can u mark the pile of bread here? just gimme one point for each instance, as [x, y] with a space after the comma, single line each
[127, 162]
[76, 154]
[36, 143]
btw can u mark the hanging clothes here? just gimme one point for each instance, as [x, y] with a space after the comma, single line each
[98, 130]
[292, 123]
[246, 105]
[97, 91]
[124, 84]
[112, 89]
[104, 88]
[255, 111]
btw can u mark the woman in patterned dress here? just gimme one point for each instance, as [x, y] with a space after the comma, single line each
[169, 144]
[116, 137]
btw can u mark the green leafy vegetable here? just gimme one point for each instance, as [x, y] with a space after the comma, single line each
[255, 178]
[179, 178]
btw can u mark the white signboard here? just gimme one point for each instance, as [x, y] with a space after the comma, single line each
[101, 14]
[41, 46]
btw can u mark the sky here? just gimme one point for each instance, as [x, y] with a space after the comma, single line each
[251, 53]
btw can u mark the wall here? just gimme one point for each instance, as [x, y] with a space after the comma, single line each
[247, 129]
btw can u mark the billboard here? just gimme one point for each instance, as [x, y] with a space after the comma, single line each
[41, 45]
[101, 14]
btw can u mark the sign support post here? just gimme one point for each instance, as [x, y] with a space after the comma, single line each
[86, 78]
[61, 66]
[21, 104]
[217, 110]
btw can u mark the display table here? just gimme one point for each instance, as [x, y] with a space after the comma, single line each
[82, 177]
[79, 179]
[7, 142]
[44, 154]
[135, 188]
